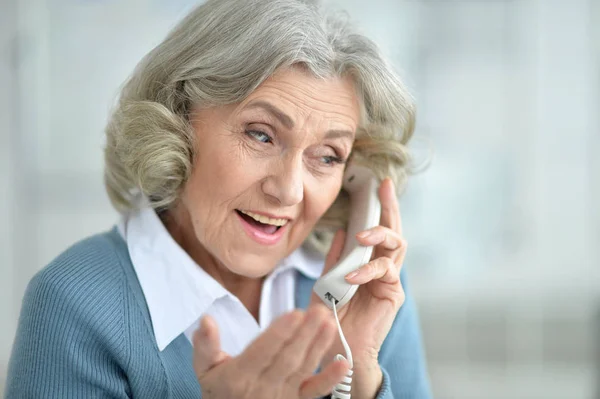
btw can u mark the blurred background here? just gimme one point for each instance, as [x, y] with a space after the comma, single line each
[504, 237]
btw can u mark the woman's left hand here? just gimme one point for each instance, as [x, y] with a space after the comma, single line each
[367, 318]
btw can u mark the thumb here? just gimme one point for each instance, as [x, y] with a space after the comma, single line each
[207, 346]
[333, 256]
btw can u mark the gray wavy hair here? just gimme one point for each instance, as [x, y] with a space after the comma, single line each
[219, 54]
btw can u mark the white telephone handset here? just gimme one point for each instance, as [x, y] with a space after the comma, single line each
[332, 288]
[365, 210]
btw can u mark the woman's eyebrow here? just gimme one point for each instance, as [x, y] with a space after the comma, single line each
[274, 111]
[334, 134]
[289, 123]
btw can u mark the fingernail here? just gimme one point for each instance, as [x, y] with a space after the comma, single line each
[352, 275]
[364, 234]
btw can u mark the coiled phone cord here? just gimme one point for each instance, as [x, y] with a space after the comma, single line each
[342, 390]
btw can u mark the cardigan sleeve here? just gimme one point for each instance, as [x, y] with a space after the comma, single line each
[402, 358]
[68, 341]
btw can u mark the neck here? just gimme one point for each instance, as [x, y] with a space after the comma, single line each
[246, 289]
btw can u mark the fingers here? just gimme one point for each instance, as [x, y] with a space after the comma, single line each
[207, 346]
[382, 268]
[337, 245]
[290, 362]
[385, 238]
[390, 210]
[322, 384]
[320, 345]
[262, 352]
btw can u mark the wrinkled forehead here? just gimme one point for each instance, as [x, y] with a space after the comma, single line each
[300, 98]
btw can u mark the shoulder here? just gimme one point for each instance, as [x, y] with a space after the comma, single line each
[72, 332]
[402, 354]
[92, 263]
[84, 283]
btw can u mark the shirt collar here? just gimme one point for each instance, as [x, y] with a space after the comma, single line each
[177, 291]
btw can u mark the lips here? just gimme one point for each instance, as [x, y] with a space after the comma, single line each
[262, 233]
[264, 227]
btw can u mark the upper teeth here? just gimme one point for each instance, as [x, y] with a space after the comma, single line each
[265, 219]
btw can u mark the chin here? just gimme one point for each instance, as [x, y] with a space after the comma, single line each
[253, 266]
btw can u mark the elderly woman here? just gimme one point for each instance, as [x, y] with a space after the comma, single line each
[225, 156]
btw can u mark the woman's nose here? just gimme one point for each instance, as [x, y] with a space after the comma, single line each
[284, 183]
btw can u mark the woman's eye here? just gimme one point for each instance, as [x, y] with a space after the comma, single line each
[328, 156]
[260, 136]
[332, 160]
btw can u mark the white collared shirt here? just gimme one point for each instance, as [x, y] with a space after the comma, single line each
[179, 292]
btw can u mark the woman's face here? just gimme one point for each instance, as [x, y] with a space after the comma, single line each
[267, 169]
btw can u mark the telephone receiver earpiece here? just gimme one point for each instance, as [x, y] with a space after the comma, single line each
[365, 211]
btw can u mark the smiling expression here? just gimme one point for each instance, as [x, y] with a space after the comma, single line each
[266, 170]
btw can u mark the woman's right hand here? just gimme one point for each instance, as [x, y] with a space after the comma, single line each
[278, 364]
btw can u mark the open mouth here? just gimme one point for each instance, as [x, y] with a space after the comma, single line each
[265, 225]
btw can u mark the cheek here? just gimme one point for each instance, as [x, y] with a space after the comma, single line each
[224, 166]
[321, 198]
[211, 167]
[221, 176]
